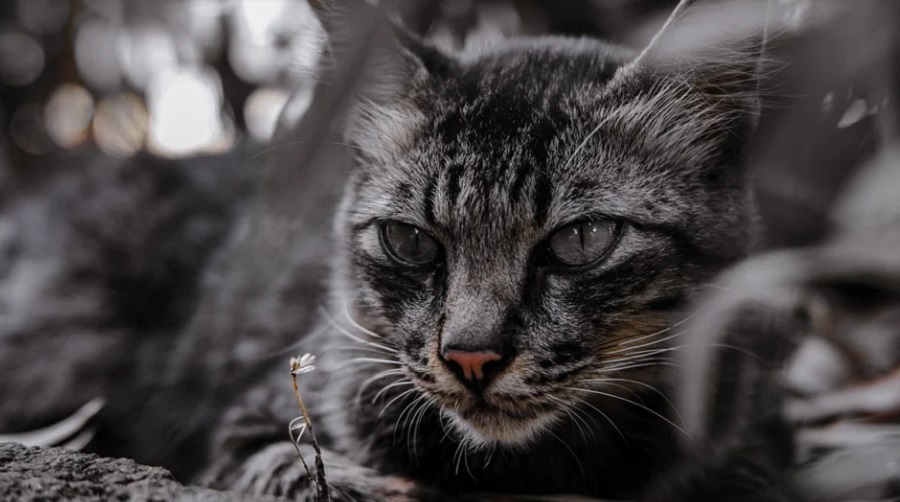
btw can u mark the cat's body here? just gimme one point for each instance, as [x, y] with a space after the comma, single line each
[520, 230]
[490, 154]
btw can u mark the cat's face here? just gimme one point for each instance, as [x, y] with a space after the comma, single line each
[523, 222]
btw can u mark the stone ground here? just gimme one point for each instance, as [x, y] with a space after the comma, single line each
[49, 474]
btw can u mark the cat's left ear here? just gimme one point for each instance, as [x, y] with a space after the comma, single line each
[706, 68]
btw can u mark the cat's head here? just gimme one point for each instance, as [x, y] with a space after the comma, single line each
[524, 219]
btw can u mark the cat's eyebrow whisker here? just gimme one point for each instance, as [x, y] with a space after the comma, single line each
[639, 405]
[585, 141]
[295, 143]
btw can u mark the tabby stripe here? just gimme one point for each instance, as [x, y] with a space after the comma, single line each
[454, 173]
[543, 197]
[430, 194]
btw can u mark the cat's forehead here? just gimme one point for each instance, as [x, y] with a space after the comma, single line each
[500, 94]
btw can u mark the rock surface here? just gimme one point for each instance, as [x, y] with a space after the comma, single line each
[48, 474]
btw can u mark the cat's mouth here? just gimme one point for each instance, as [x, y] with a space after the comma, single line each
[493, 421]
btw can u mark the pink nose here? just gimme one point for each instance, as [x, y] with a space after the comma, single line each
[472, 363]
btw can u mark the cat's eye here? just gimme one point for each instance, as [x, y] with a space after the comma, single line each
[583, 242]
[408, 244]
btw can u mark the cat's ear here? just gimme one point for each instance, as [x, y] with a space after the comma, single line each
[361, 39]
[383, 66]
[706, 67]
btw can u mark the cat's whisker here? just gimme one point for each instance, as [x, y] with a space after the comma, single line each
[345, 310]
[648, 344]
[374, 378]
[604, 415]
[648, 353]
[364, 348]
[417, 421]
[666, 329]
[389, 387]
[640, 384]
[574, 455]
[639, 405]
[634, 363]
[392, 401]
[375, 360]
[569, 410]
[756, 301]
[625, 388]
[406, 417]
[466, 461]
[651, 352]
[350, 335]
[457, 457]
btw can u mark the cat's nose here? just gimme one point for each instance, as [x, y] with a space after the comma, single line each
[474, 369]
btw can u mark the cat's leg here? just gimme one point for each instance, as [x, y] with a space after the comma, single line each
[731, 396]
[275, 469]
[252, 452]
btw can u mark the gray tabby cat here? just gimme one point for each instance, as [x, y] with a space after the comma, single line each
[521, 229]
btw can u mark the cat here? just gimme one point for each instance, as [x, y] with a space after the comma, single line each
[520, 230]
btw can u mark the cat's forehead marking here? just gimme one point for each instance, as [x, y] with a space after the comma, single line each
[492, 140]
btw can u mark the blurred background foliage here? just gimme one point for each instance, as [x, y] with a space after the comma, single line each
[186, 77]
[181, 78]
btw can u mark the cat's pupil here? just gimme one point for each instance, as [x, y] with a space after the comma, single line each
[583, 242]
[408, 244]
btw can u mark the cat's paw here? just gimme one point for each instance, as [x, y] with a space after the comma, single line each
[277, 470]
[274, 470]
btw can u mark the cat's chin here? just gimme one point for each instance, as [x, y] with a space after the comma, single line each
[491, 426]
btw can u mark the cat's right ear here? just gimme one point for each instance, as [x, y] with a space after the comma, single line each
[382, 68]
[361, 41]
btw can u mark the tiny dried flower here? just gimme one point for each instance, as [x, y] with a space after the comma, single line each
[303, 364]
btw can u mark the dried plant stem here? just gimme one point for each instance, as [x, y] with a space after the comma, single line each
[299, 454]
[322, 493]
